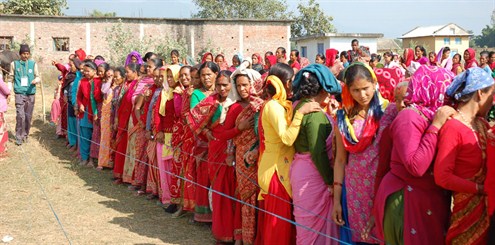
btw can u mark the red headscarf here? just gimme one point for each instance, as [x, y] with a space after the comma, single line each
[81, 54]
[203, 60]
[331, 55]
[388, 78]
[260, 60]
[272, 59]
[409, 56]
[472, 59]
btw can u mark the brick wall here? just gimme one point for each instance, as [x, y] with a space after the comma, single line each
[229, 36]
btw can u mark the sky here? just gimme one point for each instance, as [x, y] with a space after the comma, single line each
[393, 18]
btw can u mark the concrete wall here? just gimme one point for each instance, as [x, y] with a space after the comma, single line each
[228, 36]
[436, 43]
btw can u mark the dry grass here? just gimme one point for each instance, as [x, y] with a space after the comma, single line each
[91, 209]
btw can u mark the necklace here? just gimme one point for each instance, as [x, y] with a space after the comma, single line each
[481, 140]
[466, 122]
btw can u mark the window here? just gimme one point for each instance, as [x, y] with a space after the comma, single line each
[61, 43]
[6, 43]
[304, 51]
[446, 40]
[458, 40]
[321, 48]
[452, 30]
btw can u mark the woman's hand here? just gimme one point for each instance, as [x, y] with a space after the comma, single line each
[148, 135]
[81, 108]
[337, 214]
[442, 115]
[160, 137]
[251, 156]
[209, 136]
[369, 226]
[309, 108]
[246, 124]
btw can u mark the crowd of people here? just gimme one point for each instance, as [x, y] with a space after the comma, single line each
[271, 150]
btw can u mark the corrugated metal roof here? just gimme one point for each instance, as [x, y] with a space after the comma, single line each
[437, 30]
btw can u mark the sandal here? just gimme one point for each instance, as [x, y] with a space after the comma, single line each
[117, 182]
[140, 193]
[99, 168]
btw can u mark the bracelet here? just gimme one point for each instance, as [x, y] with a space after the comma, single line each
[335, 183]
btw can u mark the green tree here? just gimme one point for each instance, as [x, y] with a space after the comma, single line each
[241, 9]
[311, 20]
[33, 7]
[487, 37]
[97, 13]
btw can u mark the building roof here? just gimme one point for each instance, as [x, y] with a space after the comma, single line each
[439, 30]
[138, 19]
[388, 44]
[332, 34]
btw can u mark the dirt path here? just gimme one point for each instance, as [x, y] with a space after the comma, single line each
[90, 209]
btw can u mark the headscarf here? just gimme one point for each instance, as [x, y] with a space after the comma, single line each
[254, 78]
[331, 55]
[99, 62]
[388, 78]
[167, 92]
[326, 79]
[281, 96]
[426, 89]
[372, 122]
[135, 54]
[80, 54]
[303, 61]
[260, 59]
[77, 62]
[472, 59]
[474, 79]
[409, 57]
[272, 59]
[203, 59]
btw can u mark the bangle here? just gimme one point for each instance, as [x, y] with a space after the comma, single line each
[335, 183]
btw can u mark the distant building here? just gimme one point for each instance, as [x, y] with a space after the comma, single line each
[310, 46]
[433, 38]
[389, 44]
[55, 37]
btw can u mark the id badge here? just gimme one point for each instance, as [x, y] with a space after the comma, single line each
[24, 81]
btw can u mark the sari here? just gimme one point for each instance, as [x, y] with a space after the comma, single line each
[106, 130]
[150, 153]
[246, 175]
[183, 156]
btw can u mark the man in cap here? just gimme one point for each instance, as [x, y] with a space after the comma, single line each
[25, 75]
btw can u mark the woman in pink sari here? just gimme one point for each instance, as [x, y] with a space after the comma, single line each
[311, 172]
[409, 207]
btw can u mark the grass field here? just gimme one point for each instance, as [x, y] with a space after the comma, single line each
[90, 209]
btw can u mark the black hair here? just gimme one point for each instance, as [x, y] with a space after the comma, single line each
[354, 41]
[158, 62]
[174, 52]
[211, 65]
[376, 57]
[240, 75]
[224, 73]
[388, 53]
[105, 66]
[134, 67]
[185, 67]
[195, 68]
[296, 52]
[322, 56]
[484, 52]
[432, 52]
[120, 70]
[235, 57]
[356, 71]
[422, 49]
[343, 53]
[491, 54]
[283, 50]
[269, 53]
[89, 63]
[148, 55]
[99, 57]
[281, 70]
[309, 86]
[445, 49]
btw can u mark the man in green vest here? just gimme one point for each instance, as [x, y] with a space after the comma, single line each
[24, 74]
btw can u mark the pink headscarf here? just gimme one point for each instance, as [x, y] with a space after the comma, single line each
[426, 89]
[330, 55]
[472, 59]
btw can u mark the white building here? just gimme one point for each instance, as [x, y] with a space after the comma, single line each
[310, 46]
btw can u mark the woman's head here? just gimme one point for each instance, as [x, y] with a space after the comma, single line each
[148, 56]
[360, 82]
[151, 65]
[420, 51]
[473, 85]
[257, 59]
[445, 52]
[400, 94]
[309, 86]
[223, 84]
[469, 54]
[195, 78]
[456, 59]
[236, 61]
[320, 59]
[343, 56]
[89, 69]
[119, 75]
[207, 57]
[173, 76]
[432, 57]
[374, 60]
[132, 71]
[102, 69]
[484, 57]
[174, 57]
[243, 85]
[285, 73]
[208, 72]
[492, 57]
[387, 57]
[185, 76]
[281, 53]
[159, 76]
[294, 55]
[219, 59]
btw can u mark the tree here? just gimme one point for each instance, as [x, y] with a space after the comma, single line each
[241, 9]
[97, 13]
[487, 37]
[311, 20]
[34, 7]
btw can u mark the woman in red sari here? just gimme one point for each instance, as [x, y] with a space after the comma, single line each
[122, 120]
[219, 125]
[460, 165]
[245, 81]
[197, 163]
